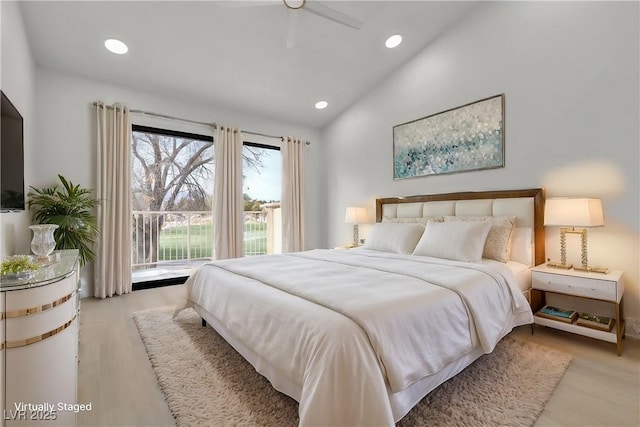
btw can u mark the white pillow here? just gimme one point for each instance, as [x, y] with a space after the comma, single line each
[521, 246]
[498, 244]
[394, 237]
[457, 240]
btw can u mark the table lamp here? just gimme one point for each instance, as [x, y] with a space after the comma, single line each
[569, 213]
[355, 216]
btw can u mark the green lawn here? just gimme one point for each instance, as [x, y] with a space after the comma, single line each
[173, 241]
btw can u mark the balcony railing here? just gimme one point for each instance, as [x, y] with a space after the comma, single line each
[161, 237]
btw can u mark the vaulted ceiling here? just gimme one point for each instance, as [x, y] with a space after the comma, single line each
[236, 55]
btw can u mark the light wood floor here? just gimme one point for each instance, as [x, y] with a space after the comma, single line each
[599, 388]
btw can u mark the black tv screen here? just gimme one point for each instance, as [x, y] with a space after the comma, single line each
[11, 158]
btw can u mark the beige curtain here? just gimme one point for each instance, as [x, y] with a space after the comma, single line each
[292, 195]
[227, 195]
[113, 189]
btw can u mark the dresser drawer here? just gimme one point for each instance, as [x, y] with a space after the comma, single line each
[579, 286]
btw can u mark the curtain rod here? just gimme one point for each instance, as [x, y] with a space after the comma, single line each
[213, 125]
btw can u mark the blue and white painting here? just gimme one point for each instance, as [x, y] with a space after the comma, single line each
[464, 138]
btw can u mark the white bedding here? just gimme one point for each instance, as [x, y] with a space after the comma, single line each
[521, 272]
[345, 330]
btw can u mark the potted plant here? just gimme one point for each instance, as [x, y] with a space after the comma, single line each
[18, 267]
[70, 209]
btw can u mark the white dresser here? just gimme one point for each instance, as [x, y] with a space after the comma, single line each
[39, 342]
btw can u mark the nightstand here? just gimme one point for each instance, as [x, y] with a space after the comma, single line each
[580, 287]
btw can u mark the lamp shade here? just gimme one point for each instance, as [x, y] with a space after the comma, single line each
[355, 215]
[566, 212]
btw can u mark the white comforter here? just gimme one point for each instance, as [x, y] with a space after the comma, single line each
[346, 328]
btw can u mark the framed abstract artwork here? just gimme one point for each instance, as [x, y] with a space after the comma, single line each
[465, 138]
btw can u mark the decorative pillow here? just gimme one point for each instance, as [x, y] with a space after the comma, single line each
[457, 240]
[498, 244]
[418, 220]
[391, 237]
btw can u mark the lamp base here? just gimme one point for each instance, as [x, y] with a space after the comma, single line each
[559, 265]
[590, 269]
[355, 235]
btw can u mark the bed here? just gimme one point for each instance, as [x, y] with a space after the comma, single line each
[359, 337]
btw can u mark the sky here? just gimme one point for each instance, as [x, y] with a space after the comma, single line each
[266, 185]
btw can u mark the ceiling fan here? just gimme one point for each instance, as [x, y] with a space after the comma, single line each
[294, 7]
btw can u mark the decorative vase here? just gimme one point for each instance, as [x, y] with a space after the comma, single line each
[43, 242]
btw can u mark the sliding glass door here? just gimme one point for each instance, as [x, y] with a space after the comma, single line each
[172, 195]
[172, 199]
[262, 187]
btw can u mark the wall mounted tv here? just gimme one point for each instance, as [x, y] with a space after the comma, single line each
[11, 158]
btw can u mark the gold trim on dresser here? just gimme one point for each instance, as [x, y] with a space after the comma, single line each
[39, 308]
[33, 340]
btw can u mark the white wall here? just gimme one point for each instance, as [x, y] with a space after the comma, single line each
[65, 141]
[569, 71]
[17, 82]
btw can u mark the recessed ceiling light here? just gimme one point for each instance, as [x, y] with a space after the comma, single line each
[393, 41]
[116, 46]
[321, 105]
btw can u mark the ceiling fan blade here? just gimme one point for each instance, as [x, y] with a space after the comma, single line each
[331, 14]
[233, 4]
[292, 28]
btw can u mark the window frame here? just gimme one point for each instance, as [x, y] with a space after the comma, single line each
[170, 132]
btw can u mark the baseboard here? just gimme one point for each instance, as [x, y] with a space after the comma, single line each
[159, 283]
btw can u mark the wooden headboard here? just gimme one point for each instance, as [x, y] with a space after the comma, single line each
[420, 203]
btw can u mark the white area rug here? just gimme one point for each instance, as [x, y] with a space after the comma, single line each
[207, 383]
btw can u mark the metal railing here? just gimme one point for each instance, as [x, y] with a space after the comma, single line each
[179, 237]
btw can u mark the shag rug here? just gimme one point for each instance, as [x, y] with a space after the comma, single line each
[207, 383]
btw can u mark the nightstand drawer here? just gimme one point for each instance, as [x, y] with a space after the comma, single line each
[579, 286]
